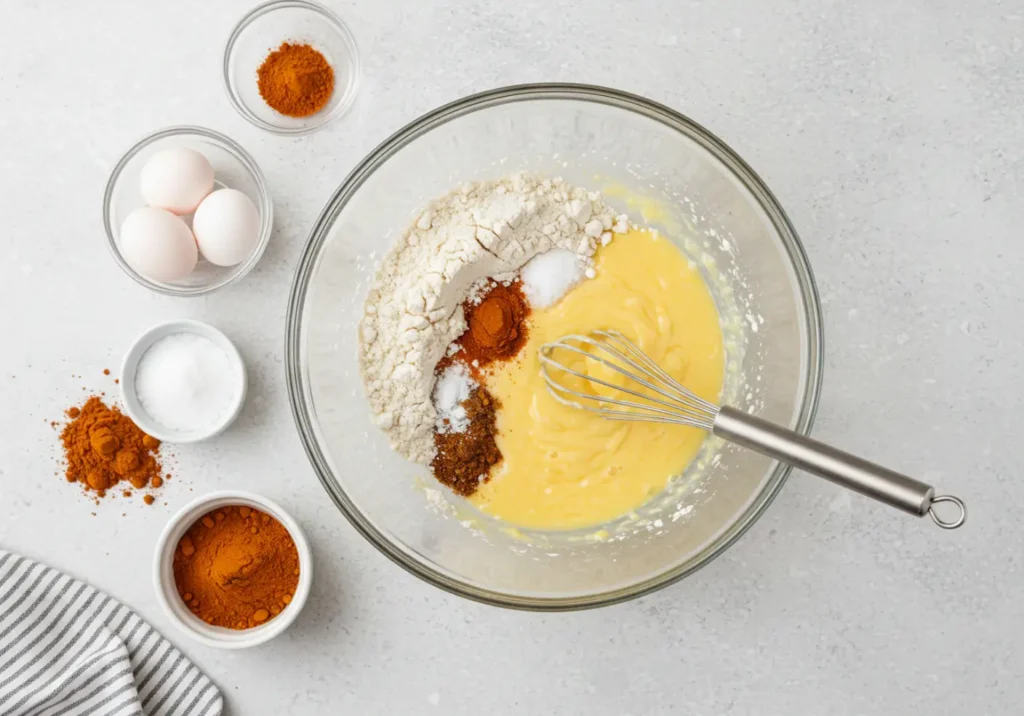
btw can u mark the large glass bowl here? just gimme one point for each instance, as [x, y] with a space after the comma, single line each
[667, 171]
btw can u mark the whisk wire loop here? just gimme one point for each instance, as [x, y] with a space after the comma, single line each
[612, 350]
[645, 361]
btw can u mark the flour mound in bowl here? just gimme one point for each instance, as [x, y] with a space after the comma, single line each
[413, 311]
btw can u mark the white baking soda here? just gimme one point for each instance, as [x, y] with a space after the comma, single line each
[187, 382]
[549, 276]
[452, 390]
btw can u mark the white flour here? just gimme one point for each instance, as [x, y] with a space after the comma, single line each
[413, 310]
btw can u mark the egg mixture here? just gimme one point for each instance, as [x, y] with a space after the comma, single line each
[566, 468]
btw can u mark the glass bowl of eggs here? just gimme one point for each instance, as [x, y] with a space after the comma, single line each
[186, 211]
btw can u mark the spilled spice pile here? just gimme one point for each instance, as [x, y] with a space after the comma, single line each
[102, 447]
[236, 567]
[496, 331]
[295, 80]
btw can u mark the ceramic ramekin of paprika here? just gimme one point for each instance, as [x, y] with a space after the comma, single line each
[176, 609]
[232, 167]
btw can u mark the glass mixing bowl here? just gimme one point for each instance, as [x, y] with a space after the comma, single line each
[667, 172]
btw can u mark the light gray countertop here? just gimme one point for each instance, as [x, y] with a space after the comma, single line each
[892, 133]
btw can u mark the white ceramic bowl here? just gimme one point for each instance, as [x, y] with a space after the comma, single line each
[130, 367]
[186, 621]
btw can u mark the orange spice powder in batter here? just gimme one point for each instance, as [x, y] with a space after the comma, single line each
[497, 327]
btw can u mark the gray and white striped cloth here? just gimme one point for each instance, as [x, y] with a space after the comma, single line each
[68, 649]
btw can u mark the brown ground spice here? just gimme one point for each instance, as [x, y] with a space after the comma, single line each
[465, 459]
[102, 446]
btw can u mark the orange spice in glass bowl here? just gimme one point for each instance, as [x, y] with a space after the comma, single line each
[233, 569]
[271, 29]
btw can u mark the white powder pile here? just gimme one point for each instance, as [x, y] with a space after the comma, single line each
[452, 390]
[548, 276]
[187, 382]
[413, 310]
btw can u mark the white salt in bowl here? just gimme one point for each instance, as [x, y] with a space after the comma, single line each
[167, 592]
[130, 369]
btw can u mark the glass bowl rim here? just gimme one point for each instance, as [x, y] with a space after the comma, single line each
[295, 373]
[330, 17]
[233, 148]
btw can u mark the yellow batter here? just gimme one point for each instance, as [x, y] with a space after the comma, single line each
[566, 468]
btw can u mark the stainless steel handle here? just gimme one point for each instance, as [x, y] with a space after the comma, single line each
[849, 471]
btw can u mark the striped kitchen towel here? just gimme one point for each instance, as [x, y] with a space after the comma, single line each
[68, 649]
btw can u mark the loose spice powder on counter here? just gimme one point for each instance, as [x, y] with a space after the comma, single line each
[236, 567]
[102, 446]
[295, 80]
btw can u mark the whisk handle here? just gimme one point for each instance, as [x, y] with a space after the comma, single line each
[849, 471]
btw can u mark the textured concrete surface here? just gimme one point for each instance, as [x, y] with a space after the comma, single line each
[892, 132]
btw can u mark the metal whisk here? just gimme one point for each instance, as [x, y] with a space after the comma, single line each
[652, 395]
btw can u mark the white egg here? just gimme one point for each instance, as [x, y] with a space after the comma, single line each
[158, 244]
[176, 179]
[227, 227]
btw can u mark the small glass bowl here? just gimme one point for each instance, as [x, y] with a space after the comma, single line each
[262, 31]
[232, 167]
